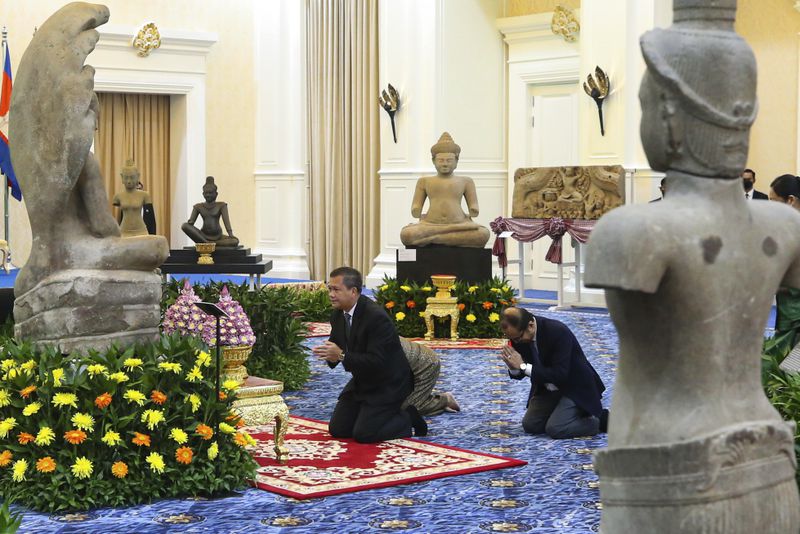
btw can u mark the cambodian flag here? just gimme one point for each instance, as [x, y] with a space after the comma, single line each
[5, 153]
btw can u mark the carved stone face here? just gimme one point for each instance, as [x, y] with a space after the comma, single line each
[654, 127]
[130, 180]
[445, 163]
[210, 194]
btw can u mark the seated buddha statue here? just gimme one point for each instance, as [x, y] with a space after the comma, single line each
[445, 223]
[211, 211]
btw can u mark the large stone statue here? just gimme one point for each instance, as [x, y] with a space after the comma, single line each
[132, 202]
[445, 223]
[83, 286]
[694, 446]
[211, 211]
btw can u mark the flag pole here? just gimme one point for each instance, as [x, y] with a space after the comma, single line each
[6, 219]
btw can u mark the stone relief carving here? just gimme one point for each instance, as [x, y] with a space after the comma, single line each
[567, 192]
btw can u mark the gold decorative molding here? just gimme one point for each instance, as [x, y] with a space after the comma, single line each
[565, 24]
[147, 40]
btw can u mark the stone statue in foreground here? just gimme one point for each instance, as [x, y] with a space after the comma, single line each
[445, 223]
[83, 286]
[211, 211]
[694, 445]
[132, 202]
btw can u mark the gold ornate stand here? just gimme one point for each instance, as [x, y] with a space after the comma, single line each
[205, 250]
[442, 305]
[259, 402]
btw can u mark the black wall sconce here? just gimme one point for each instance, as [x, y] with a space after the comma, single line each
[598, 90]
[390, 101]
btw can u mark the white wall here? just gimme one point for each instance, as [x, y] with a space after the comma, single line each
[446, 58]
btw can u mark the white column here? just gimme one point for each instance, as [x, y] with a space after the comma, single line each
[280, 174]
[446, 59]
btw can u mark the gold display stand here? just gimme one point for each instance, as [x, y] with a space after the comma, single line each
[205, 250]
[259, 402]
[442, 305]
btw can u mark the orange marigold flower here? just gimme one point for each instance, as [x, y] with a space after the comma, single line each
[158, 397]
[141, 439]
[26, 392]
[240, 423]
[411, 304]
[75, 437]
[240, 440]
[5, 458]
[103, 400]
[488, 305]
[25, 438]
[119, 469]
[45, 465]
[504, 302]
[461, 306]
[389, 305]
[184, 455]
[223, 395]
[204, 431]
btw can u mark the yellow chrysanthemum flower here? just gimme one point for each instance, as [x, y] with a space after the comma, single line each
[58, 374]
[96, 369]
[470, 317]
[399, 316]
[6, 426]
[426, 288]
[495, 290]
[194, 375]
[505, 288]
[112, 439]
[384, 287]
[7, 364]
[65, 399]
[194, 399]
[82, 468]
[170, 366]
[28, 366]
[133, 395]
[213, 451]
[119, 377]
[494, 317]
[156, 462]
[203, 359]
[405, 288]
[226, 428]
[178, 436]
[31, 409]
[45, 436]
[84, 421]
[152, 418]
[230, 385]
[5, 398]
[472, 289]
[132, 363]
[20, 466]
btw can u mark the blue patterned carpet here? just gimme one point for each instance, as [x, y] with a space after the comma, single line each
[554, 493]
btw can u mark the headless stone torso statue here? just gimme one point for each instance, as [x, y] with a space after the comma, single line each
[83, 286]
[694, 445]
[211, 211]
[445, 223]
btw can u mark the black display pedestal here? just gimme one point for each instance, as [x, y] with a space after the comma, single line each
[226, 261]
[467, 264]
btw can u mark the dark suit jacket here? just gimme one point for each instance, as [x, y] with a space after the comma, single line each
[558, 359]
[373, 354]
[758, 195]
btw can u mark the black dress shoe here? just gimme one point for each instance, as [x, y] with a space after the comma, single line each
[419, 424]
[604, 421]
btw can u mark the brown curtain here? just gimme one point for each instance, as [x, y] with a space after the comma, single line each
[342, 44]
[136, 126]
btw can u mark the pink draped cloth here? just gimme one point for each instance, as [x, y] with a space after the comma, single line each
[527, 230]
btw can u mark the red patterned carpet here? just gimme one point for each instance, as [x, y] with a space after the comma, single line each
[320, 465]
[324, 330]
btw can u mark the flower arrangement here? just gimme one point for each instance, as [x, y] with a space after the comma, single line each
[235, 329]
[186, 318]
[116, 428]
[480, 307]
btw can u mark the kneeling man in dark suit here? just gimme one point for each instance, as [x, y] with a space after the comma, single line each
[564, 400]
[364, 340]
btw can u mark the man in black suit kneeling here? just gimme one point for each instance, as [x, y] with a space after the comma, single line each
[364, 340]
[564, 400]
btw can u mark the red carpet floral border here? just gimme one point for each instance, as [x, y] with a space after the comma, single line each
[320, 465]
[324, 330]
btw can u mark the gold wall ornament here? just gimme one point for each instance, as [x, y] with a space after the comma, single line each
[565, 24]
[147, 40]
[598, 89]
[390, 101]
